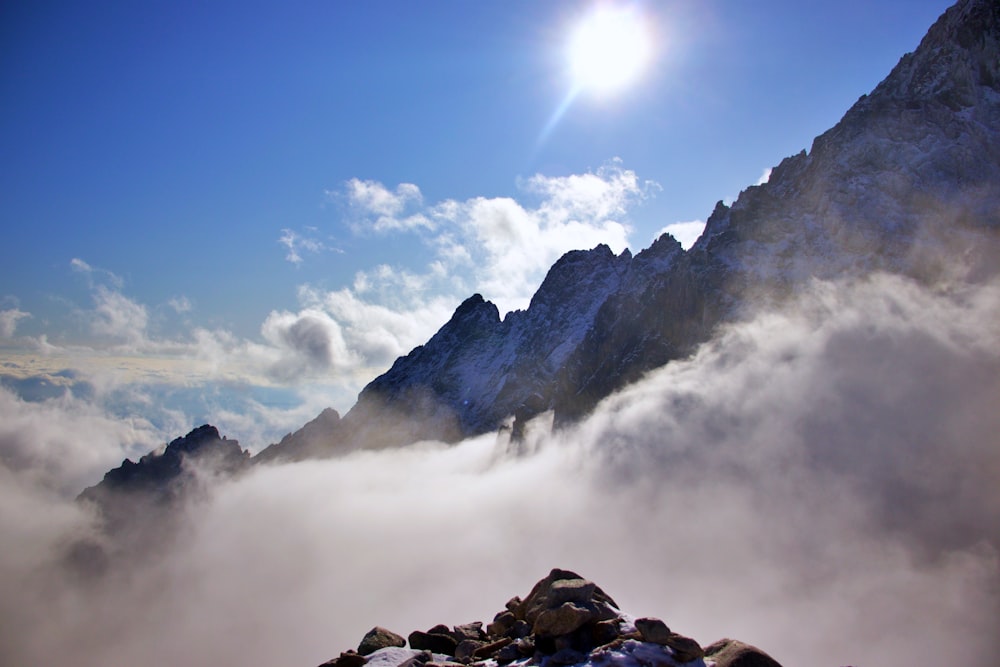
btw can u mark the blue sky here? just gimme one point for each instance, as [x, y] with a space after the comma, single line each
[242, 212]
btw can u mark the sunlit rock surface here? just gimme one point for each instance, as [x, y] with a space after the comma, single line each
[564, 620]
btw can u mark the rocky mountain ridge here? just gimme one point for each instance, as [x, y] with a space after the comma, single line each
[907, 182]
[564, 620]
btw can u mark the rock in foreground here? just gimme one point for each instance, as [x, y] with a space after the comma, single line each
[564, 620]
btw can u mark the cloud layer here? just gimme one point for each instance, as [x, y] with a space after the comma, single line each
[334, 341]
[820, 482]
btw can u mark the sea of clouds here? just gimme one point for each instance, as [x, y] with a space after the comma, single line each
[820, 482]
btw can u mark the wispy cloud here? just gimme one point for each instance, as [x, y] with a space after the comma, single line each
[180, 304]
[9, 319]
[305, 241]
[94, 274]
[807, 464]
[379, 209]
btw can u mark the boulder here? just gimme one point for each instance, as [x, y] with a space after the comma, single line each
[571, 590]
[379, 637]
[507, 654]
[605, 632]
[489, 650]
[562, 586]
[434, 641]
[417, 660]
[652, 630]
[346, 659]
[469, 631]
[733, 653]
[684, 648]
[467, 648]
[563, 620]
[501, 624]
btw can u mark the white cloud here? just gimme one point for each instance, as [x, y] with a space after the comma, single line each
[815, 482]
[118, 318]
[78, 264]
[9, 319]
[93, 273]
[686, 233]
[65, 443]
[381, 209]
[379, 333]
[764, 177]
[180, 304]
[310, 343]
[299, 242]
[497, 246]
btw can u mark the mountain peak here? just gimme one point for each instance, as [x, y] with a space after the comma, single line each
[475, 307]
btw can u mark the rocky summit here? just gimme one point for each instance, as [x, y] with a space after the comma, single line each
[564, 620]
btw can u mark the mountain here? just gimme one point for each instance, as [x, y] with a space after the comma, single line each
[564, 620]
[908, 182]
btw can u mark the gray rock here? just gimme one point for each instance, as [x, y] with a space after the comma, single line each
[379, 637]
[418, 660]
[562, 586]
[520, 629]
[507, 654]
[467, 648]
[489, 650]
[346, 659]
[434, 642]
[684, 648]
[502, 622]
[652, 630]
[605, 632]
[469, 631]
[571, 590]
[733, 653]
[564, 619]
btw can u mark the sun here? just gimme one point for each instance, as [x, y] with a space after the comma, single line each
[608, 50]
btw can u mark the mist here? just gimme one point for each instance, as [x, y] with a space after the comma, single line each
[819, 482]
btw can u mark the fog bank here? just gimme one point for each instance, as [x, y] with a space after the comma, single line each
[819, 482]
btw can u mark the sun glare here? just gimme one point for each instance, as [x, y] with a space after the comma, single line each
[608, 50]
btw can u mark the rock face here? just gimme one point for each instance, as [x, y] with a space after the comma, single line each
[310, 441]
[907, 182]
[564, 620]
[159, 478]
